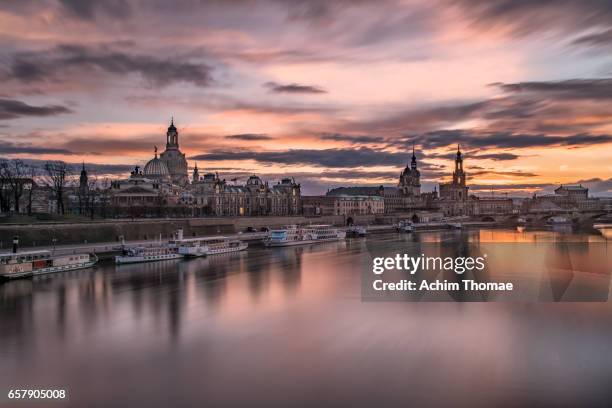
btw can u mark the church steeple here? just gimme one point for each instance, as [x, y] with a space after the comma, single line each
[172, 136]
[196, 174]
[413, 162]
[83, 178]
[459, 174]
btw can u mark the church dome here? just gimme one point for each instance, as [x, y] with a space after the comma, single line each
[156, 168]
[254, 181]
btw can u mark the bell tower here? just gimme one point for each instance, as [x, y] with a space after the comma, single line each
[172, 136]
[459, 174]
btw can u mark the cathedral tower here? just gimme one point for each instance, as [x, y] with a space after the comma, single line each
[410, 179]
[459, 174]
[173, 158]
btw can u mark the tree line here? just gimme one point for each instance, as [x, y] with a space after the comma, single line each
[19, 182]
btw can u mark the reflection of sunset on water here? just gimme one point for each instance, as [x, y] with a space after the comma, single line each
[296, 314]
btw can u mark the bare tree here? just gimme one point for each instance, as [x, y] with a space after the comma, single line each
[58, 172]
[32, 172]
[5, 193]
[92, 195]
[104, 195]
[13, 175]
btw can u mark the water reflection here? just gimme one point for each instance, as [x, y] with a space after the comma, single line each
[270, 326]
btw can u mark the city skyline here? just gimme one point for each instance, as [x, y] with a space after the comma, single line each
[281, 87]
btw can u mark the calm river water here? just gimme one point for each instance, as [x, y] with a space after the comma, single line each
[288, 327]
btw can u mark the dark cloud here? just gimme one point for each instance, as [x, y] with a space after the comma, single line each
[524, 17]
[516, 173]
[249, 137]
[87, 9]
[11, 109]
[354, 139]
[64, 61]
[497, 156]
[600, 39]
[333, 158]
[293, 88]
[99, 144]
[15, 148]
[360, 174]
[598, 88]
[445, 138]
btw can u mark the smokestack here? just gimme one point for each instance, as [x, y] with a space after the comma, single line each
[15, 243]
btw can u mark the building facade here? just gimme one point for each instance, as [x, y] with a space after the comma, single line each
[565, 198]
[358, 205]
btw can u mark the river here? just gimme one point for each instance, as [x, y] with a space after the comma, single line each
[288, 327]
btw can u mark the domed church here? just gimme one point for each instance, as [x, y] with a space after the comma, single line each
[410, 179]
[173, 158]
[156, 169]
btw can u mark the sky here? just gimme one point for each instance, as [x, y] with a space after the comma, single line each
[331, 93]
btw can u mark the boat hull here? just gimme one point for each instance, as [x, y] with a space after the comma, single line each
[301, 242]
[48, 270]
[122, 260]
[239, 248]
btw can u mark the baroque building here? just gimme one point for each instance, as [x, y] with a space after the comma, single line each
[163, 188]
[406, 196]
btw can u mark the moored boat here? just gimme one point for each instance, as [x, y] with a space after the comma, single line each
[195, 247]
[404, 226]
[140, 254]
[356, 231]
[32, 263]
[295, 235]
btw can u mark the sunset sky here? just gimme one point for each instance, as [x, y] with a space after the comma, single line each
[332, 93]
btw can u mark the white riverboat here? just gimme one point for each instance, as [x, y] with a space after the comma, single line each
[404, 226]
[195, 247]
[140, 254]
[295, 235]
[356, 231]
[32, 263]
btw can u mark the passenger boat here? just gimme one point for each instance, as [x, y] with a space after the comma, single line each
[32, 263]
[356, 231]
[140, 254]
[194, 247]
[404, 226]
[295, 235]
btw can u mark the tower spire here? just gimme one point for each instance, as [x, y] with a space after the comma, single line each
[156, 152]
[413, 162]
